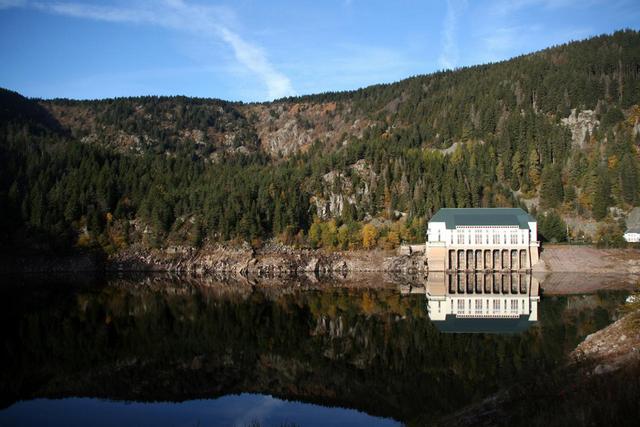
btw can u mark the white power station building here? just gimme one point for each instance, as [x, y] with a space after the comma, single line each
[474, 239]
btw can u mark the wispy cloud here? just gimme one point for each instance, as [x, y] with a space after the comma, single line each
[449, 56]
[352, 65]
[179, 15]
[6, 4]
[506, 7]
[500, 42]
[512, 27]
[259, 411]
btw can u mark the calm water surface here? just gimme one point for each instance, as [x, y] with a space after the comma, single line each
[173, 351]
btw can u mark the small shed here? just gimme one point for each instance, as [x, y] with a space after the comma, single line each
[632, 235]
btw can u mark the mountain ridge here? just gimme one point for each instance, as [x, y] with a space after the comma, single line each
[555, 131]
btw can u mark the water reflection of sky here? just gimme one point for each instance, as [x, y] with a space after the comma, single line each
[233, 410]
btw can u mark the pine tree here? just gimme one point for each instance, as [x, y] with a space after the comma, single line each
[551, 192]
[534, 167]
[551, 227]
[601, 197]
[315, 234]
[629, 180]
[517, 170]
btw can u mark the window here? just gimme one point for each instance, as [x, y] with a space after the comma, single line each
[478, 237]
[496, 238]
[514, 306]
[478, 306]
[496, 305]
[461, 306]
[514, 237]
[460, 234]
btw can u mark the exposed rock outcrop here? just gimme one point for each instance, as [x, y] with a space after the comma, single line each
[339, 189]
[580, 123]
[270, 260]
[613, 347]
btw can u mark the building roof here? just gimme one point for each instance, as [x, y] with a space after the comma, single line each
[454, 217]
[635, 230]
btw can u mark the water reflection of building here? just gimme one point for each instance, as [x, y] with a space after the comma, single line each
[482, 302]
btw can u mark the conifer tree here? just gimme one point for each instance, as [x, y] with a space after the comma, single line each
[629, 180]
[534, 167]
[517, 169]
[601, 196]
[551, 192]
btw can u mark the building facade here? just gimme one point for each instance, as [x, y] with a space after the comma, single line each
[473, 239]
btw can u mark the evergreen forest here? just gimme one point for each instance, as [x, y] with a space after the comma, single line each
[556, 132]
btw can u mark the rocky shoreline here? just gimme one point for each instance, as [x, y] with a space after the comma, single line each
[269, 260]
[613, 347]
[275, 259]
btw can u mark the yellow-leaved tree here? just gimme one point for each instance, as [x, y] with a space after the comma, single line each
[369, 236]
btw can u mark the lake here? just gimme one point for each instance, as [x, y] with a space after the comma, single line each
[181, 351]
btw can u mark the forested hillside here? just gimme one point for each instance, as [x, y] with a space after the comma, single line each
[557, 132]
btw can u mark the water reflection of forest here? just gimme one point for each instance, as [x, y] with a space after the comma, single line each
[170, 338]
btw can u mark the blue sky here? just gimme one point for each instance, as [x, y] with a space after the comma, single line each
[260, 50]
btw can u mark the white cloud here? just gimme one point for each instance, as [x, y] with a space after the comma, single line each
[449, 56]
[259, 411]
[255, 60]
[178, 15]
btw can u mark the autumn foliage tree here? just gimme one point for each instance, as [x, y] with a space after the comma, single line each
[369, 236]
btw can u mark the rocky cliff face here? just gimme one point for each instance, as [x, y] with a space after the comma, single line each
[158, 124]
[271, 260]
[208, 127]
[581, 123]
[285, 128]
[340, 189]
